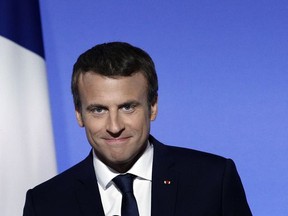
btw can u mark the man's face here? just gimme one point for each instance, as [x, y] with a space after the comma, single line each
[116, 117]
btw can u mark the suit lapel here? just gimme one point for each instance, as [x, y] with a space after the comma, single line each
[87, 191]
[164, 181]
[164, 185]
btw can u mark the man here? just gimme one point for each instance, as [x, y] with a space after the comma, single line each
[114, 87]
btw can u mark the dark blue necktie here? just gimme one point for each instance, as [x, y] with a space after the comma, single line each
[125, 185]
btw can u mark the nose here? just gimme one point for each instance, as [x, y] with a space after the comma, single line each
[115, 125]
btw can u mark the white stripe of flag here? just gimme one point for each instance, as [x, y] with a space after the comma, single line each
[27, 155]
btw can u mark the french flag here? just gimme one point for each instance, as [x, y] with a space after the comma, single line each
[27, 153]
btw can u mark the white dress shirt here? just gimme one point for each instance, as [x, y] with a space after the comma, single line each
[111, 197]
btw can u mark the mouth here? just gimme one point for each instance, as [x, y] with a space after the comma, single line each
[116, 141]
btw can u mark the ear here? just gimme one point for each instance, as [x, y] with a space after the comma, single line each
[79, 118]
[154, 110]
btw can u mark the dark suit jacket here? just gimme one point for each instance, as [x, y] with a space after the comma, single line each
[201, 184]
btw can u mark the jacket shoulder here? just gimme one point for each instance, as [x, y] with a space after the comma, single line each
[83, 169]
[184, 156]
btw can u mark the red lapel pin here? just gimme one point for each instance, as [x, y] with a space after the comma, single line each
[167, 182]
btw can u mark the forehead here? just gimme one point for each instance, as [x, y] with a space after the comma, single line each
[94, 87]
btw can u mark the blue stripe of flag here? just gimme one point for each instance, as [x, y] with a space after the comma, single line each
[20, 22]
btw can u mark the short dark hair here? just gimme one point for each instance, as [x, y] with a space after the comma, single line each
[112, 60]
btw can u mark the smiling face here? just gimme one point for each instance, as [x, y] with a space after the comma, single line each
[116, 116]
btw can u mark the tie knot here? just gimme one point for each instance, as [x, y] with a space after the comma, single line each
[125, 182]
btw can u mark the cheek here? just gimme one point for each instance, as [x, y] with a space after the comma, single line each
[93, 126]
[140, 122]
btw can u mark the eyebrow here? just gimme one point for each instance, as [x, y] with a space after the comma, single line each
[131, 102]
[91, 106]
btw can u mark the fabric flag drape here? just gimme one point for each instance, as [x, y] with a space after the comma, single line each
[27, 155]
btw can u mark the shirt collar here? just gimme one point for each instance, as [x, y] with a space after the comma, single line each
[142, 168]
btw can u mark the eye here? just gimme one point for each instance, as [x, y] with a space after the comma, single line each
[128, 108]
[98, 110]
